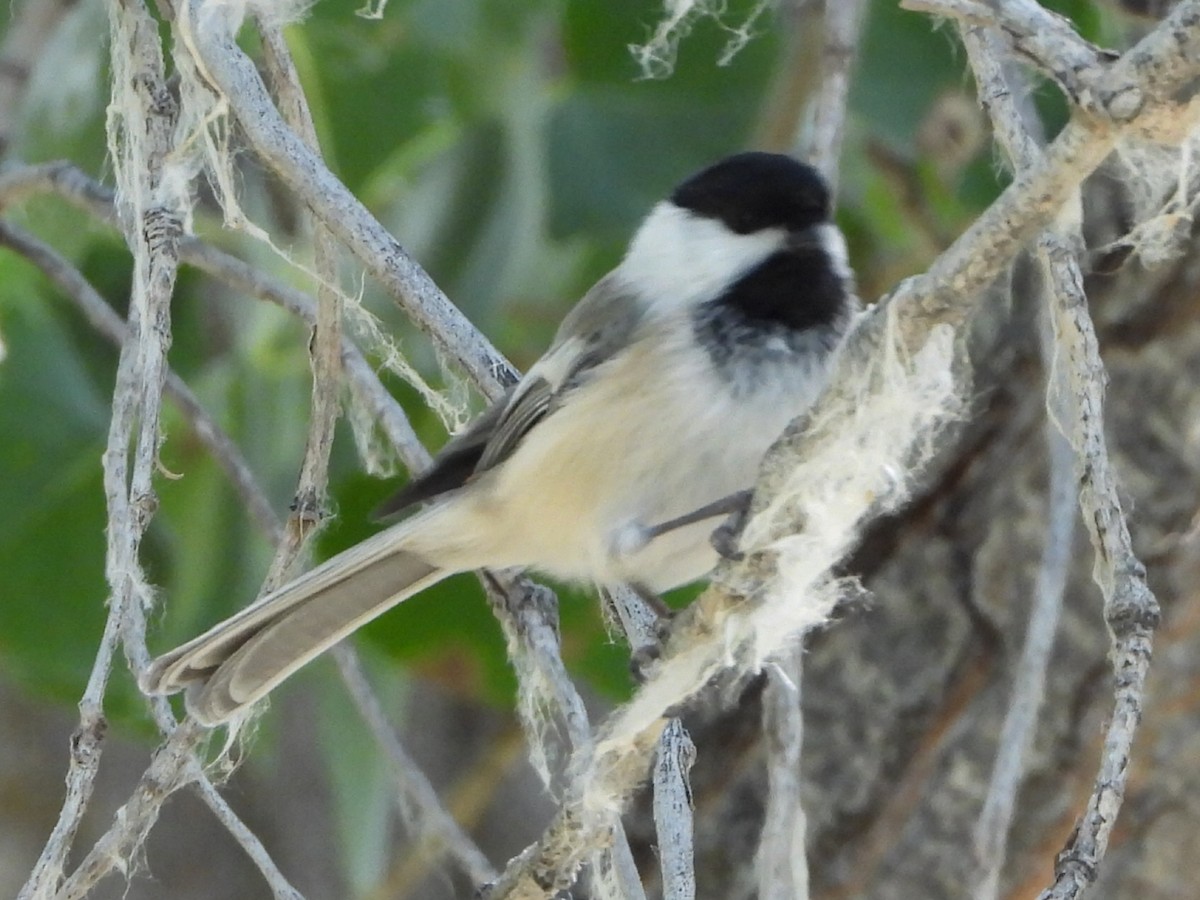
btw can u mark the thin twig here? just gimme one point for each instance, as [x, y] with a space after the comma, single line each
[1029, 684]
[782, 861]
[1075, 398]
[418, 802]
[1046, 39]
[205, 30]
[280, 887]
[420, 808]
[143, 108]
[1130, 608]
[365, 384]
[174, 765]
[67, 181]
[997, 91]
[821, 145]
[105, 320]
[674, 829]
[308, 507]
[551, 710]
[673, 812]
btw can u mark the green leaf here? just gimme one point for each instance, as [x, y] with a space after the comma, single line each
[52, 530]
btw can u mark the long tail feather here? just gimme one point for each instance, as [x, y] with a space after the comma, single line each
[238, 661]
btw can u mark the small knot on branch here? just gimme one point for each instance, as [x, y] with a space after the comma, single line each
[1134, 609]
[161, 229]
[1125, 104]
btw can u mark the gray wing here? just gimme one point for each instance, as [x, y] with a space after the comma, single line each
[596, 329]
[599, 326]
[452, 467]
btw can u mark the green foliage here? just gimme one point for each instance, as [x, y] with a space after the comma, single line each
[52, 416]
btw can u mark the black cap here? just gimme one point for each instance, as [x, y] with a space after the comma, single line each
[752, 191]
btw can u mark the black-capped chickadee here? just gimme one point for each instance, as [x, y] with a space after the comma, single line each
[663, 389]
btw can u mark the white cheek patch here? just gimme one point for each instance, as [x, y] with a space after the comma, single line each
[677, 259]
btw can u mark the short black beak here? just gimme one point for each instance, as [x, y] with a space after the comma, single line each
[807, 238]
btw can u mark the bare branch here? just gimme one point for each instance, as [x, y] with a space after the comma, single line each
[67, 181]
[822, 144]
[174, 765]
[1046, 39]
[86, 744]
[1075, 397]
[280, 887]
[143, 107]
[234, 77]
[308, 508]
[102, 317]
[782, 856]
[1130, 609]
[363, 381]
[996, 91]
[419, 806]
[673, 812]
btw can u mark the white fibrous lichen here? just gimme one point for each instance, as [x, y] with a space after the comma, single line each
[205, 128]
[656, 56]
[1162, 182]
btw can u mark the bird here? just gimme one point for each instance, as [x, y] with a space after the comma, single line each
[607, 462]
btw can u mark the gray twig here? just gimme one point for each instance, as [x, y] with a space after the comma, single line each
[104, 319]
[782, 860]
[418, 803]
[69, 182]
[308, 508]
[1075, 400]
[551, 710]
[280, 887]
[1130, 609]
[235, 78]
[1046, 39]
[673, 812]
[153, 224]
[997, 89]
[821, 143]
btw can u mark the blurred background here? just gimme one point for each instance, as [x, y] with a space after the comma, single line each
[512, 146]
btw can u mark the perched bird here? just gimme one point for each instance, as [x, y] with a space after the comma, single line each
[661, 392]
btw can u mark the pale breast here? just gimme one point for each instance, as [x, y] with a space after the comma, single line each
[637, 445]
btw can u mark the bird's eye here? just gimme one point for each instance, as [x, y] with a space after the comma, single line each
[746, 223]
